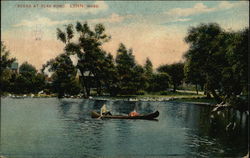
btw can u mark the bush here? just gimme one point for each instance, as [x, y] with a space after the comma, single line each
[140, 92]
[164, 93]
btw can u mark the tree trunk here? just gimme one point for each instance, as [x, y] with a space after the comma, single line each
[174, 90]
[206, 92]
[99, 87]
[87, 92]
[216, 97]
[86, 87]
[196, 88]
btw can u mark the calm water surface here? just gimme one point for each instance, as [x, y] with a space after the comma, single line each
[49, 127]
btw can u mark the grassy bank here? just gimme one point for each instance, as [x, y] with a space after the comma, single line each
[179, 96]
[197, 100]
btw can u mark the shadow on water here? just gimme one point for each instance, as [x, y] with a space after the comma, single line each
[64, 128]
[218, 134]
[81, 125]
[64, 106]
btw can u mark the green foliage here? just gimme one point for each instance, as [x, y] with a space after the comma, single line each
[6, 61]
[26, 82]
[5, 80]
[64, 75]
[27, 68]
[131, 77]
[217, 59]
[140, 92]
[5, 73]
[235, 75]
[159, 82]
[175, 71]
[61, 35]
[204, 54]
[148, 67]
[93, 62]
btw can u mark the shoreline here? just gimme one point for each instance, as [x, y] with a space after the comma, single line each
[190, 99]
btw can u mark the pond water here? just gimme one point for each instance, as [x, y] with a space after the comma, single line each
[49, 127]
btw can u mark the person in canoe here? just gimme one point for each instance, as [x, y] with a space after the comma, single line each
[133, 113]
[104, 111]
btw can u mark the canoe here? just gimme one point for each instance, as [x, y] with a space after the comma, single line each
[150, 116]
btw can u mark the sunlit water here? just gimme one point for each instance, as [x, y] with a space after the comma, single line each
[51, 127]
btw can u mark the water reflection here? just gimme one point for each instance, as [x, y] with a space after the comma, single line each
[64, 128]
[213, 137]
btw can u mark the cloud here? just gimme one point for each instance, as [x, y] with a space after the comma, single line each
[181, 20]
[98, 6]
[228, 5]
[42, 21]
[198, 8]
[113, 18]
[225, 5]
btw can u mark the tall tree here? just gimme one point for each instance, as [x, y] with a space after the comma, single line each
[159, 82]
[5, 74]
[125, 63]
[235, 74]
[148, 67]
[28, 81]
[193, 75]
[64, 75]
[205, 41]
[220, 58]
[6, 61]
[88, 49]
[175, 71]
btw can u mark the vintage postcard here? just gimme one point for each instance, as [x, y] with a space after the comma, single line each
[124, 79]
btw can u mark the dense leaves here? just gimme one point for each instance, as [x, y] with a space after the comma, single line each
[92, 60]
[217, 59]
[5, 71]
[6, 61]
[64, 75]
[175, 72]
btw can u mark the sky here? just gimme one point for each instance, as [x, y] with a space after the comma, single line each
[153, 29]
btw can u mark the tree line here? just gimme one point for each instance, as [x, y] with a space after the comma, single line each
[98, 69]
[216, 61]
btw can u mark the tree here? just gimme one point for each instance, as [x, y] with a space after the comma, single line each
[27, 68]
[193, 75]
[64, 75]
[148, 67]
[128, 71]
[237, 57]
[175, 71]
[5, 73]
[159, 82]
[28, 81]
[6, 61]
[205, 43]
[108, 75]
[139, 79]
[89, 51]
[219, 58]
